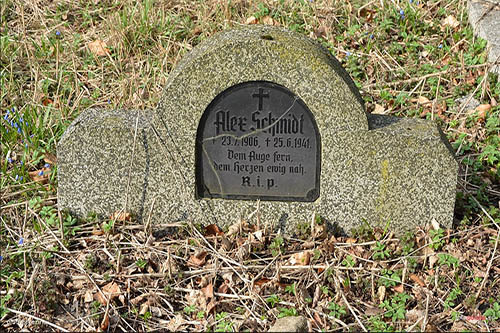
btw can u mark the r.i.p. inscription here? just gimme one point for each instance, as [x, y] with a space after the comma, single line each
[258, 140]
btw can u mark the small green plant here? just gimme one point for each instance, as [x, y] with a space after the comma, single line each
[377, 324]
[273, 300]
[390, 278]
[336, 310]
[493, 312]
[395, 307]
[188, 309]
[408, 243]
[380, 252]
[348, 261]
[448, 260]
[49, 215]
[108, 226]
[287, 312]
[146, 316]
[3, 301]
[223, 325]
[290, 289]
[276, 246]
[141, 263]
[449, 302]
[437, 238]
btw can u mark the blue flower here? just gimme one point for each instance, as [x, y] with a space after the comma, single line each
[348, 54]
[25, 145]
[440, 46]
[19, 130]
[16, 125]
[17, 177]
[21, 178]
[21, 241]
[47, 165]
[40, 173]
[58, 33]
[401, 12]
[6, 116]
[10, 160]
[1, 258]
[371, 36]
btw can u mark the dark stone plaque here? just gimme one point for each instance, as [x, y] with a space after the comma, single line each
[258, 140]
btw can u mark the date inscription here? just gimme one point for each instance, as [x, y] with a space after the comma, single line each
[258, 140]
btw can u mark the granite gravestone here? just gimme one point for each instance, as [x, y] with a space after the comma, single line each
[258, 113]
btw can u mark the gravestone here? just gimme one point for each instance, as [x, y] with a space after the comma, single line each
[258, 114]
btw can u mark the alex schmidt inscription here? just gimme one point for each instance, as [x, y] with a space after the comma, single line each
[258, 140]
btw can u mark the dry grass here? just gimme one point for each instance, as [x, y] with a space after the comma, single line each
[63, 274]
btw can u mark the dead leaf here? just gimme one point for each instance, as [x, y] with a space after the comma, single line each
[40, 176]
[413, 315]
[213, 230]
[208, 291]
[210, 306]
[482, 110]
[300, 258]
[198, 259]
[98, 47]
[398, 288]
[47, 101]
[50, 158]
[236, 227]
[320, 32]
[252, 20]
[120, 216]
[105, 322]
[88, 297]
[422, 100]
[432, 260]
[269, 20]
[110, 291]
[379, 109]
[96, 232]
[381, 293]
[137, 300]
[450, 21]
[262, 281]
[417, 280]
[259, 235]
[144, 308]
[224, 288]
[351, 240]
[368, 14]
[435, 224]
[175, 323]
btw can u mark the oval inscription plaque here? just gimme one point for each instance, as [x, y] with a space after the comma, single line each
[258, 140]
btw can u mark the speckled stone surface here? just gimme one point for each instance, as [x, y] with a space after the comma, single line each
[378, 169]
[290, 324]
[484, 16]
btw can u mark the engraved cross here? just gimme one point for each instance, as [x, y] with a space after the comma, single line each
[261, 95]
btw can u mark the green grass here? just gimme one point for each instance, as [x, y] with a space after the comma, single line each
[398, 53]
